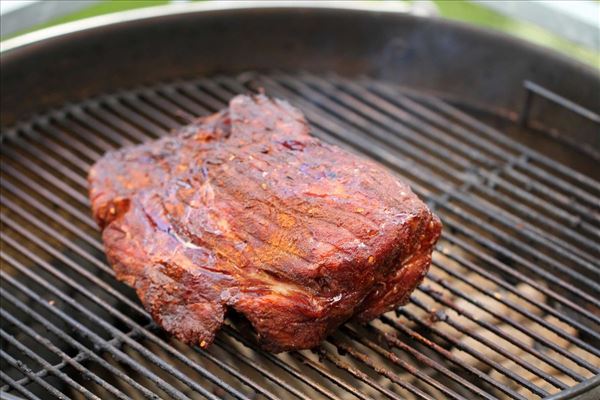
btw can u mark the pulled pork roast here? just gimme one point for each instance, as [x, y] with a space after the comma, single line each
[245, 210]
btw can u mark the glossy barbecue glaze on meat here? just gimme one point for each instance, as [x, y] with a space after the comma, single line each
[245, 210]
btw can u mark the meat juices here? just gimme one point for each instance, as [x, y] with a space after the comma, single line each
[244, 210]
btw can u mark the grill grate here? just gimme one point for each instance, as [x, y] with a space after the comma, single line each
[510, 308]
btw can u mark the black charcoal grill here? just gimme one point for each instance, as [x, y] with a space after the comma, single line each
[501, 138]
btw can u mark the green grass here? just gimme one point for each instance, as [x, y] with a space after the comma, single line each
[104, 7]
[464, 11]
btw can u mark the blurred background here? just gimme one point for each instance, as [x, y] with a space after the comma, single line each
[570, 27]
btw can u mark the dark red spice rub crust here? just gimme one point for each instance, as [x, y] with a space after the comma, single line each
[245, 210]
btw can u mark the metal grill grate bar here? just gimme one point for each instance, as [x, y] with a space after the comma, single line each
[97, 339]
[510, 338]
[85, 274]
[475, 373]
[467, 179]
[476, 354]
[264, 372]
[509, 271]
[406, 366]
[275, 360]
[19, 388]
[20, 366]
[68, 360]
[51, 368]
[360, 375]
[521, 310]
[82, 349]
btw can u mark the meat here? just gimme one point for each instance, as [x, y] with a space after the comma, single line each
[245, 211]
